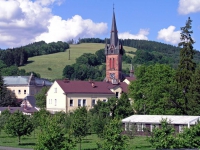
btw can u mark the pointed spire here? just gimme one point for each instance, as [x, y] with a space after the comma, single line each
[114, 35]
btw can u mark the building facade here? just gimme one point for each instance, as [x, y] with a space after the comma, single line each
[66, 95]
[24, 86]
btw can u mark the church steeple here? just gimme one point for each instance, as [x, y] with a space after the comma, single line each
[114, 52]
[114, 35]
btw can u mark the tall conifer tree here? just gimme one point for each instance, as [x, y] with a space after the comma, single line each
[186, 66]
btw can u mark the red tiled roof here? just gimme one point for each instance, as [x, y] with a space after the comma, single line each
[86, 87]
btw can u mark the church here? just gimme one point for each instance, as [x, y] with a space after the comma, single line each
[67, 95]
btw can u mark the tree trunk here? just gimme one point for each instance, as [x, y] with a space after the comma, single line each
[80, 145]
[19, 140]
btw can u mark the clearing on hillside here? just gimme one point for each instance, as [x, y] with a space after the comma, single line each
[51, 66]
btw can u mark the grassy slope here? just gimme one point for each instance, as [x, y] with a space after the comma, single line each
[58, 61]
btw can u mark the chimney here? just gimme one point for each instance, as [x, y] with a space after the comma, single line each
[66, 80]
[93, 85]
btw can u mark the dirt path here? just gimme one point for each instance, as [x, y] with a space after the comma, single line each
[11, 148]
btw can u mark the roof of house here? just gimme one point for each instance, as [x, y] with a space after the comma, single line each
[155, 119]
[22, 109]
[31, 100]
[25, 80]
[96, 87]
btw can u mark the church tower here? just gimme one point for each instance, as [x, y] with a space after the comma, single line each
[114, 52]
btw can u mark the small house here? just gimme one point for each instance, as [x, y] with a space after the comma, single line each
[142, 123]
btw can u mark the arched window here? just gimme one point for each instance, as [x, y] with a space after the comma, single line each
[113, 63]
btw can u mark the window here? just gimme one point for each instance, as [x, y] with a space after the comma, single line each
[84, 102]
[140, 127]
[24, 91]
[19, 91]
[117, 94]
[55, 102]
[93, 102]
[71, 102]
[181, 128]
[79, 102]
[129, 126]
[104, 100]
[153, 126]
[55, 90]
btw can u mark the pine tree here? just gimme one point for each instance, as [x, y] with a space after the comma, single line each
[186, 66]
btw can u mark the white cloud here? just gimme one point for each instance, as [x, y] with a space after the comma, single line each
[9, 10]
[188, 6]
[142, 35]
[74, 28]
[169, 35]
[49, 2]
[26, 21]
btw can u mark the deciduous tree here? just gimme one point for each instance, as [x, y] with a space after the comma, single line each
[53, 137]
[79, 124]
[112, 137]
[154, 91]
[18, 125]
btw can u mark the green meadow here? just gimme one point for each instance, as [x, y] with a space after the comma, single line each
[88, 143]
[51, 66]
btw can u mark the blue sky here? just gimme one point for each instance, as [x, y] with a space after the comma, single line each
[26, 21]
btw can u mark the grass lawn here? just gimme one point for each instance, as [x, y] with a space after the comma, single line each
[89, 142]
[58, 61]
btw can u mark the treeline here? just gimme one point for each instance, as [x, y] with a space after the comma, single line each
[15, 56]
[19, 56]
[11, 59]
[42, 48]
[149, 52]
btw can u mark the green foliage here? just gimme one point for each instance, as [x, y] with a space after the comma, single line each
[52, 136]
[186, 66]
[79, 124]
[86, 67]
[7, 97]
[68, 71]
[124, 108]
[163, 137]
[194, 94]
[18, 125]
[112, 137]
[39, 118]
[101, 55]
[190, 137]
[41, 97]
[154, 91]
[4, 118]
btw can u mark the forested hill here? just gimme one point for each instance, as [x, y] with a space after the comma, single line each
[149, 52]
[19, 56]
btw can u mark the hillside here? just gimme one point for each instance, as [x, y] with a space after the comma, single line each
[51, 66]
